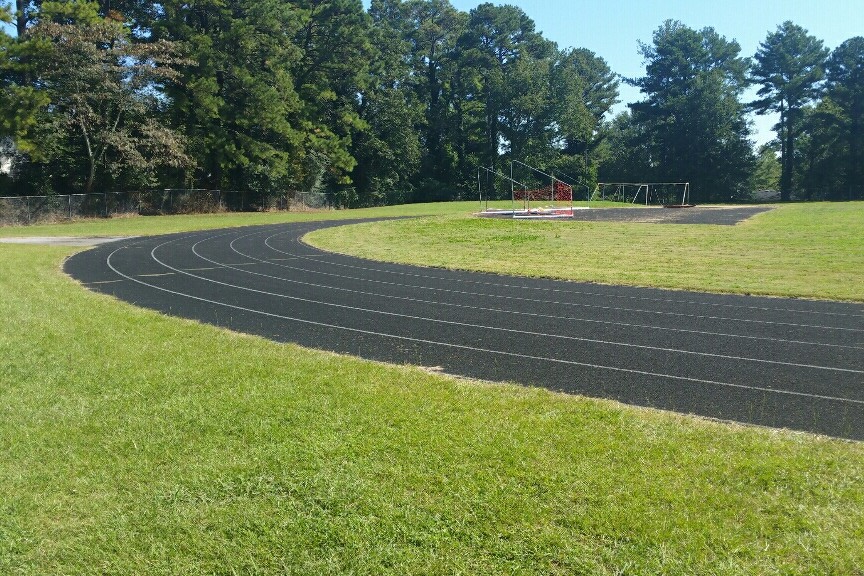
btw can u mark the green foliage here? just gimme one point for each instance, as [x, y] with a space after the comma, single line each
[101, 122]
[586, 90]
[237, 97]
[629, 151]
[20, 102]
[693, 120]
[80, 12]
[388, 151]
[789, 66]
[270, 89]
[766, 174]
[404, 101]
[432, 29]
[845, 88]
[509, 63]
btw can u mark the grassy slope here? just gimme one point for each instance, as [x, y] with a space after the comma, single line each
[136, 443]
[148, 225]
[805, 250]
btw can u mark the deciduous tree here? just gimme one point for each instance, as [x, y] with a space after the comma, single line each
[102, 90]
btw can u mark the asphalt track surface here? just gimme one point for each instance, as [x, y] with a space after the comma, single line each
[775, 362]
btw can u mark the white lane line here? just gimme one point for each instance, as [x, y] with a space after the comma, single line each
[155, 275]
[219, 267]
[491, 328]
[103, 282]
[300, 241]
[482, 350]
[560, 303]
[521, 313]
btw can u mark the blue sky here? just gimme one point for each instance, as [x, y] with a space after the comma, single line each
[613, 29]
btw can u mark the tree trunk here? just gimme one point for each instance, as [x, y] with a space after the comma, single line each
[91, 177]
[788, 152]
[855, 184]
[21, 17]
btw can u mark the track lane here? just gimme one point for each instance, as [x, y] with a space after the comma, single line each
[609, 330]
[791, 363]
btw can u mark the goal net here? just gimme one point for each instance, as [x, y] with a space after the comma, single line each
[555, 192]
[647, 193]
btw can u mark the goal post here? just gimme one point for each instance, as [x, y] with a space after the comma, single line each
[647, 193]
[557, 190]
[496, 178]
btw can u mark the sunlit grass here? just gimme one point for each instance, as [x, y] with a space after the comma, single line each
[801, 250]
[134, 443]
[149, 225]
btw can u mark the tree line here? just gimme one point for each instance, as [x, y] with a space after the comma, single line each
[404, 101]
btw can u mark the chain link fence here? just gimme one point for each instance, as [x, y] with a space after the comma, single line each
[23, 210]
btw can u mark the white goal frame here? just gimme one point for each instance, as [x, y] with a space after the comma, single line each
[644, 188]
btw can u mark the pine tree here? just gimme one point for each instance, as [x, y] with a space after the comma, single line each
[694, 119]
[789, 66]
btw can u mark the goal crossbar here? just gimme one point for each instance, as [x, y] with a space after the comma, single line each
[644, 188]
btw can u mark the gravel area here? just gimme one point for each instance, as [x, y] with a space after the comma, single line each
[718, 215]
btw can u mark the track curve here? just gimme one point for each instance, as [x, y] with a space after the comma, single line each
[776, 362]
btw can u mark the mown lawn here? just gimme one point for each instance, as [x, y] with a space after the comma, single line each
[134, 443]
[802, 250]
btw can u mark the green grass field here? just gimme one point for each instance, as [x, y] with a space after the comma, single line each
[134, 443]
[800, 250]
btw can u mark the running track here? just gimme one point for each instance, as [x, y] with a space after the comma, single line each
[776, 362]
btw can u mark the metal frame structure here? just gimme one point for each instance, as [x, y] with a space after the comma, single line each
[642, 187]
[494, 172]
[559, 190]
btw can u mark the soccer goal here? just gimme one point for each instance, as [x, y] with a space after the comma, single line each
[647, 193]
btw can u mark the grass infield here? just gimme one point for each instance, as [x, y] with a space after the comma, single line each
[799, 250]
[134, 443]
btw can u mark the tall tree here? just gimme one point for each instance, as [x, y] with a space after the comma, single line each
[20, 101]
[789, 66]
[388, 149]
[698, 131]
[845, 88]
[103, 93]
[432, 29]
[509, 61]
[821, 152]
[587, 89]
[334, 57]
[265, 100]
